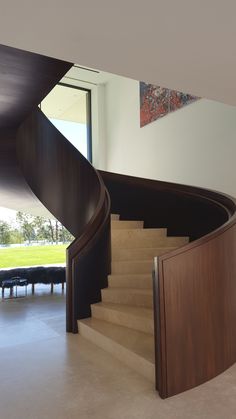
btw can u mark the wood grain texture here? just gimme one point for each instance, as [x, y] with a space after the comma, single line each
[58, 174]
[184, 210]
[197, 309]
[25, 79]
[15, 193]
[74, 193]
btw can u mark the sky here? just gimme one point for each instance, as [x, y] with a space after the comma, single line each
[7, 214]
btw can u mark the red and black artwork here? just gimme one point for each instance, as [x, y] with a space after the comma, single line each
[156, 101]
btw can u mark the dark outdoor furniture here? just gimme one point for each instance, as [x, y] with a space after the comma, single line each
[10, 278]
[15, 281]
[8, 283]
[21, 282]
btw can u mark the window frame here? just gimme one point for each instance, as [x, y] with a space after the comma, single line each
[88, 115]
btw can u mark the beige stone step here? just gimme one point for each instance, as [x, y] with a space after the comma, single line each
[124, 225]
[146, 241]
[130, 281]
[136, 318]
[132, 267]
[130, 296]
[138, 253]
[132, 238]
[133, 348]
[115, 216]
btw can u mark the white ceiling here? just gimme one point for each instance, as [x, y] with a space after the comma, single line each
[186, 45]
[66, 104]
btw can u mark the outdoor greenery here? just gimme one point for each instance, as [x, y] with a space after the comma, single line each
[32, 255]
[29, 228]
[43, 241]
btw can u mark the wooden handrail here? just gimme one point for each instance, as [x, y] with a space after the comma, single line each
[81, 248]
[73, 191]
[185, 210]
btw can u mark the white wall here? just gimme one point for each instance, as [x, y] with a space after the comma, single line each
[96, 83]
[195, 145]
[99, 152]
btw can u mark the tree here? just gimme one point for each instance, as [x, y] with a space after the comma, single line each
[40, 228]
[16, 236]
[5, 233]
[27, 227]
[64, 235]
[51, 231]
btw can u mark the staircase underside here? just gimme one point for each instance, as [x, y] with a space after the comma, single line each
[25, 79]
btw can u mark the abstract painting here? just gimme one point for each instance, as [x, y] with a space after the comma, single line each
[156, 101]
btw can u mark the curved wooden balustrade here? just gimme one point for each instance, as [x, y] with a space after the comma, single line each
[195, 285]
[74, 193]
[25, 79]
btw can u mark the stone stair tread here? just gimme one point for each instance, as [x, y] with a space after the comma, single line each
[136, 239]
[135, 254]
[144, 230]
[153, 249]
[126, 266]
[135, 341]
[139, 250]
[124, 281]
[144, 291]
[117, 276]
[126, 225]
[136, 311]
[133, 317]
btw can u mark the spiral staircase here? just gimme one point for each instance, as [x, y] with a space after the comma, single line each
[156, 287]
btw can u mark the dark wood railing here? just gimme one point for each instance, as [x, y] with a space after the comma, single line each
[185, 210]
[72, 190]
[195, 285]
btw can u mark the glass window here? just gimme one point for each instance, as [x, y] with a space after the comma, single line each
[68, 108]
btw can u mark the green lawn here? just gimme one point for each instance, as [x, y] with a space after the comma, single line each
[32, 255]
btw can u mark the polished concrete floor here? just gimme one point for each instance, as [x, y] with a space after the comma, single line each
[47, 374]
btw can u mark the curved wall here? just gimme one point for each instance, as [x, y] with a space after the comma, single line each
[195, 285]
[196, 296]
